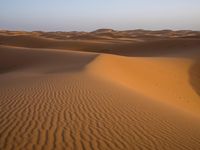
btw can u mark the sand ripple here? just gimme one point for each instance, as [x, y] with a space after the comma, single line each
[79, 111]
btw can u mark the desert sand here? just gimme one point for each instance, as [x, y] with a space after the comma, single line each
[101, 90]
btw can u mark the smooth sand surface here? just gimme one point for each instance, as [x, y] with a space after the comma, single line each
[65, 94]
[162, 78]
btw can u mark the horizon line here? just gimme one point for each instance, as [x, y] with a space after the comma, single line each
[118, 30]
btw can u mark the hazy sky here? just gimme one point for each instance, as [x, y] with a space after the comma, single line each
[51, 15]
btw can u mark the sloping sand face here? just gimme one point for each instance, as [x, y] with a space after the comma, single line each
[55, 99]
[42, 60]
[162, 78]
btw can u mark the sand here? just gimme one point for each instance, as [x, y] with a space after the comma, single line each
[65, 94]
[165, 79]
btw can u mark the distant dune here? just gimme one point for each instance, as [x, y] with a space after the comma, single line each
[100, 90]
[128, 43]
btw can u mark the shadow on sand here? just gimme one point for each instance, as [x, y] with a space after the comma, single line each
[42, 61]
[194, 73]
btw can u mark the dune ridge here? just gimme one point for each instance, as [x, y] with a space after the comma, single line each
[77, 94]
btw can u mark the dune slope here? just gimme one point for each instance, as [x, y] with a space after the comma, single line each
[161, 78]
[52, 99]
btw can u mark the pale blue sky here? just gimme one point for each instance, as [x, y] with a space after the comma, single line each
[88, 15]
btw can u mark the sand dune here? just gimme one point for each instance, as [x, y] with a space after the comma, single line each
[128, 46]
[163, 78]
[66, 94]
[42, 60]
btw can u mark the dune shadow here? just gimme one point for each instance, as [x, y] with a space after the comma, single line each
[42, 61]
[151, 47]
[158, 48]
[194, 73]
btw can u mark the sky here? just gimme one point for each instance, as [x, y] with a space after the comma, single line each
[89, 15]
